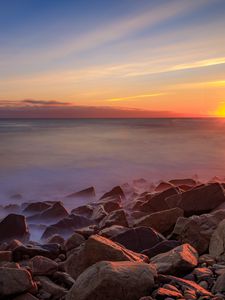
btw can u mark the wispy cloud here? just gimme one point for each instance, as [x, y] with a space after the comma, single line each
[136, 97]
[31, 102]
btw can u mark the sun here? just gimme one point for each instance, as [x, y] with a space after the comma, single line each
[220, 112]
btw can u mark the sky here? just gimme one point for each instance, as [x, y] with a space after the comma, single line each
[112, 58]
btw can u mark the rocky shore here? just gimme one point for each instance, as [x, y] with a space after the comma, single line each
[167, 242]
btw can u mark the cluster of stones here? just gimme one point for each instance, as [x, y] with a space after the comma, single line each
[128, 245]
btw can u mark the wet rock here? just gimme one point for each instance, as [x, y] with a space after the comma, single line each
[112, 231]
[41, 265]
[157, 202]
[13, 227]
[117, 217]
[66, 226]
[84, 210]
[55, 213]
[113, 280]
[36, 207]
[116, 192]
[197, 230]
[199, 200]
[14, 281]
[139, 238]
[179, 260]
[185, 284]
[47, 285]
[162, 221]
[51, 251]
[5, 256]
[162, 247]
[95, 249]
[74, 241]
[217, 242]
[86, 194]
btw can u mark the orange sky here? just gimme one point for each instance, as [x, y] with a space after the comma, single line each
[158, 58]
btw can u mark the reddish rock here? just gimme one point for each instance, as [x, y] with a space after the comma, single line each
[41, 265]
[95, 249]
[199, 200]
[162, 221]
[163, 186]
[183, 181]
[139, 238]
[13, 227]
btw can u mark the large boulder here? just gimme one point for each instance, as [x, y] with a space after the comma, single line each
[41, 265]
[162, 221]
[113, 280]
[66, 226]
[139, 238]
[95, 249]
[114, 230]
[179, 260]
[14, 281]
[84, 210]
[55, 213]
[157, 202]
[197, 230]
[117, 217]
[217, 242]
[162, 247]
[74, 241]
[13, 227]
[199, 200]
[53, 290]
[35, 208]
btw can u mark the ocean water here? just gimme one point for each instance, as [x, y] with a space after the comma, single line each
[48, 159]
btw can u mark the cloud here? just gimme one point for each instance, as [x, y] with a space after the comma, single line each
[136, 97]
[45, 111]
[44, 102]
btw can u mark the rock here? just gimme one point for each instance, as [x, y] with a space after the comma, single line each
[162, 221]
[84, 210]
[74, 241]
[217, 242]
[86, 194]
[116, 192]
[86, 232]
[51, 251]
[26, 296]
[99, 213]
[185, 284]
[202, 274]
[36, 207]
[162, 247]
[219, 286]
[112, 231]
[155, 203]
[111, 205]
[199, 200]
[5, 256]
[197, 230]
[95, 249]
[63, 279]
[113, 280]
[117, 217]
[179, 260]
[55, 213]
[15, 281]
[163, 293]
[56, 239]
[48, 286]
[139, 238]
[163, 186]
[66, 226]
[206, 258]
[41, 265]
[183, 181]
[13, 227]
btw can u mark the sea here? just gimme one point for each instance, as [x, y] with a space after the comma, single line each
[50, 158]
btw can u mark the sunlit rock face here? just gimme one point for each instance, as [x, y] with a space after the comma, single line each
[114, 280]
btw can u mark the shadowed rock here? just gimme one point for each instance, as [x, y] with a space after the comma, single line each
[86, 194]
[117, 217]
[162, 221]
[139, 238]
[36, 207]
[113, 280]
[199, 200]
[161, 247]
[13, 227]
[114, 193]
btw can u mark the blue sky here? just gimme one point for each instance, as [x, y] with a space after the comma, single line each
[137, 54]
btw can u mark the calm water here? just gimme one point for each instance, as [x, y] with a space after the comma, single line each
[50, 158]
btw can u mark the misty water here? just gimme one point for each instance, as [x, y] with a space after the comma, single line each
[48, 159]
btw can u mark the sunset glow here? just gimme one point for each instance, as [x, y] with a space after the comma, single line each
[153, 57]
